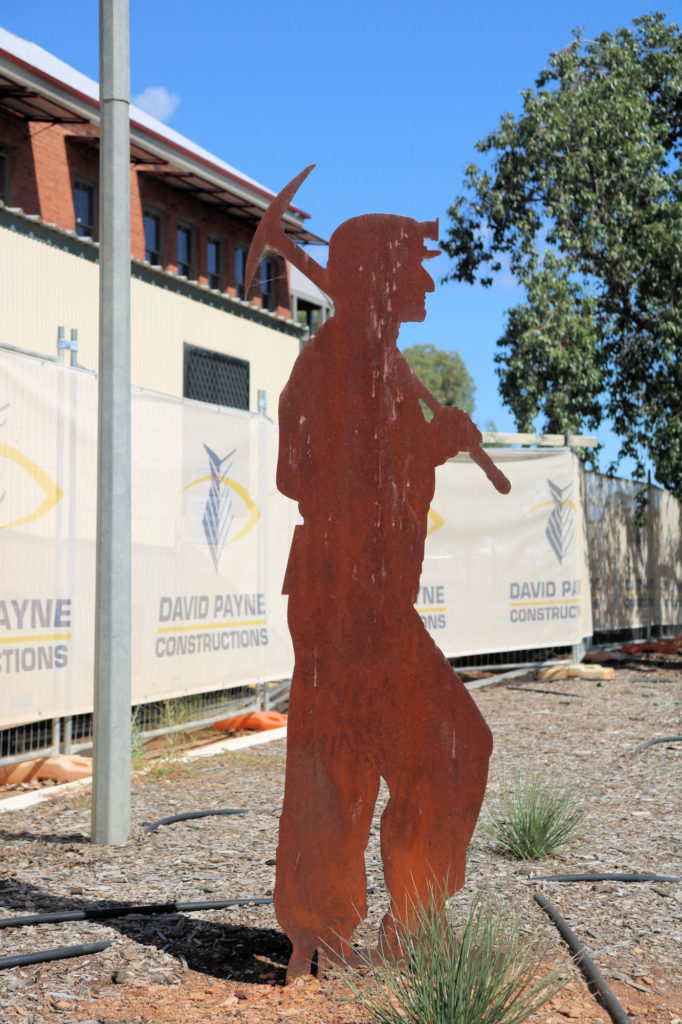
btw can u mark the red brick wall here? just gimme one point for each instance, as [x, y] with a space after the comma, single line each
[44, 160]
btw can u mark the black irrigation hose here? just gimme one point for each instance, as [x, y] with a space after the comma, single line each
[195, 814]
[613, 876]
[124, 909]
[43, 955]
[662, 739]
[533, 689]
[584, 961]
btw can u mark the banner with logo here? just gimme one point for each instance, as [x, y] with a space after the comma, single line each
[506, 572]
[210, 546]
[210, 538]
[47, 507]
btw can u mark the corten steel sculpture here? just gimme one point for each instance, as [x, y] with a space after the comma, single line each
[371, 694]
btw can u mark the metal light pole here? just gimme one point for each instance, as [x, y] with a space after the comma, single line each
[111, 776]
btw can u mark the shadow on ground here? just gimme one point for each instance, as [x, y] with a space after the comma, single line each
[250, 955]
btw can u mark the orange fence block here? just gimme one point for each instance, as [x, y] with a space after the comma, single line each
[65, 768]
[259, 721]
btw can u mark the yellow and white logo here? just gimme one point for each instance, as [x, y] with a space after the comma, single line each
[27, 493]
[219, 510]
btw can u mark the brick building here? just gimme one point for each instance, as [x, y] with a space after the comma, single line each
[194, 331]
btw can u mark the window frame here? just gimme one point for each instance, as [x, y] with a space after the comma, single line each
[149, 211]
[183, 226]
[311, 312]
[266, 283]
[87, 185]
[241, 253]
[218, 275]
[4, 173]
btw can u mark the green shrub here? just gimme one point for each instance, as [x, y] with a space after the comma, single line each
[534, 816]
[480, 972]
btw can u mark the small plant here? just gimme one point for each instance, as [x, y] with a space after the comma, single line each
[534, 817]
[482, 972]
[137, 755]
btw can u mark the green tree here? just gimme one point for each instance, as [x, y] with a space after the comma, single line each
[580, 199]
[444, 374]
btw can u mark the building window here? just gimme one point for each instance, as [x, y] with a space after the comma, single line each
[184, 251]
[308, 315]
[152, 237]
[84, 209]
[267, 284]
[4, 175]
[240, 255]
[216, 378]
[213, 262]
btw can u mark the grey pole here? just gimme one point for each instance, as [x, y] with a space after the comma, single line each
[111, 765]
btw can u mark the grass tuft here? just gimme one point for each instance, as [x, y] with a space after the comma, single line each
[480, 971]
[534, 816]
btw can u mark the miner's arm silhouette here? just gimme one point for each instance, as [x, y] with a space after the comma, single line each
[451, 431]
[466, 437]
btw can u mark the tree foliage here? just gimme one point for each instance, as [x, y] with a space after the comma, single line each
[444, 374]
[581, 200]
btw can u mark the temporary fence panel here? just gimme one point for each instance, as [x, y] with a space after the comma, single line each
[507, 572]
[210, 543]
[668, 537]
[210, 538]
[635, 561]
[46, 597]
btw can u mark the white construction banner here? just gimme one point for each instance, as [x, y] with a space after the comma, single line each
[210, 542]
[210, 538]
[507, 572]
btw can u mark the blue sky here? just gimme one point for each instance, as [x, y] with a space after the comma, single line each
[388, 98]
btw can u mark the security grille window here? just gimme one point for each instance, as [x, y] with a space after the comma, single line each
[4, 175]
[213, 262]
[216, 378]
[184, 251]
[267, 282]
[84, 209]
[152, 238]
[239, 271]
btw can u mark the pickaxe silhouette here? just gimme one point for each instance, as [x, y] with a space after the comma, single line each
[270, 234]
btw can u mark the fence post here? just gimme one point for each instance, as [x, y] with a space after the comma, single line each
[68, 735]
[56, 730]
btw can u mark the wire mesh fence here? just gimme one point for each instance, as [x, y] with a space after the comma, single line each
[158, 718]
[34, 736]
[184, 714]
[511, 659]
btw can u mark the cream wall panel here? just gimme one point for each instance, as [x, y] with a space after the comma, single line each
[44, 286]
[163, 321]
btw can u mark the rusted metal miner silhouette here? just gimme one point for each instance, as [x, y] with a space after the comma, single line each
[372, 696]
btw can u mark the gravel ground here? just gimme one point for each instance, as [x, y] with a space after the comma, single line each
[229, 964]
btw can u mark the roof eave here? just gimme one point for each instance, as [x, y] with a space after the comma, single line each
[88, 108]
